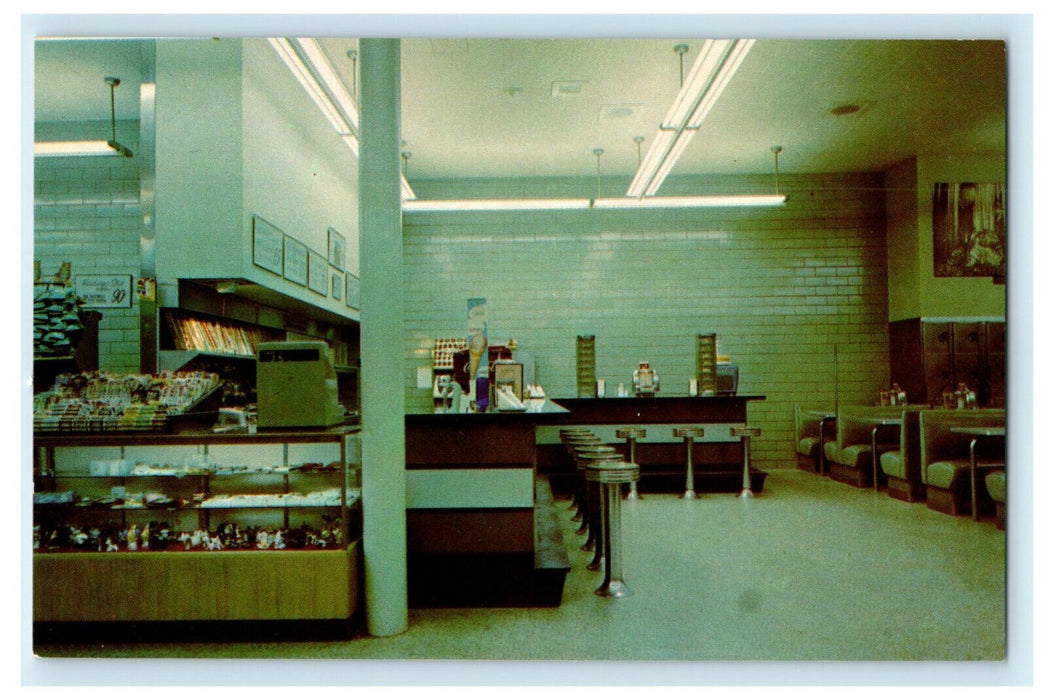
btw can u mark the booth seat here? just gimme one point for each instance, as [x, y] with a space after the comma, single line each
[996, 485]
[810, 426]
[902, 466]
[849, 456]
[945, 458]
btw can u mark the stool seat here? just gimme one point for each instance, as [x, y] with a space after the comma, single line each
[613, 472]
[745, 432]
[631, 433]
[590, 453]
[688, 432]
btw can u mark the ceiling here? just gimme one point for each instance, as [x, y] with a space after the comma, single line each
[490, 107]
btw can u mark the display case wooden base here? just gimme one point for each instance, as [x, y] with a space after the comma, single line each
[182, 586]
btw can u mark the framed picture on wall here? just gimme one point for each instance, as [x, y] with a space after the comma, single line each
[296, 261]
[335, 249]
[337, 284]
[352, 291]
[317, 273]
[969, 228]
[267, 245]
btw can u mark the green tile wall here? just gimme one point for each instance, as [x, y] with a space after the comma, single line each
[86, 211]
[780, 288]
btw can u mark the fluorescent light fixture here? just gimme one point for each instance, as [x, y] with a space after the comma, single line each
[439, 205]
[727, 200]
[406, 193]
[448, 205]
[46, 149]
[309, 65]
[299, 55]
[111, 147]
[714, 67]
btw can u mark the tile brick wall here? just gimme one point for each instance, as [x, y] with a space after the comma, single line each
[779, 287]
[86, 211]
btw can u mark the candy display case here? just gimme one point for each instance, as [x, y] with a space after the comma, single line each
[196, 526]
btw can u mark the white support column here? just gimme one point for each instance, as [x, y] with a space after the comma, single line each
[382, 339]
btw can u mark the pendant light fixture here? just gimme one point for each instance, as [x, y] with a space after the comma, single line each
[110, 147]
[700, 88]
[716, 64]
[311, 68]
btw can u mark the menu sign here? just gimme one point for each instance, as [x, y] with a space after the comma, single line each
[268, 246]
[104, 291]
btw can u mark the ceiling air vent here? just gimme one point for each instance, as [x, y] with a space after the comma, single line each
[623, 111]
[568, 88]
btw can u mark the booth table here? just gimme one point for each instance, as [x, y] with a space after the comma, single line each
[977, 434]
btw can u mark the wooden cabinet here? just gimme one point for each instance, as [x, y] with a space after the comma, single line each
[95, 494]
[930, 356]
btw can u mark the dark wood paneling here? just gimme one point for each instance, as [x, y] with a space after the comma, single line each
[444, 531]
[929, 358]
[497, 445]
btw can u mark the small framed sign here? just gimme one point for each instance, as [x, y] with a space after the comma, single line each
[317, 273]
[335, 249]
[104, 291]
[296, 261]
[268, 251]
[352, 291]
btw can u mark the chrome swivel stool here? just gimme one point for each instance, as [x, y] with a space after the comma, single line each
[746, 434]
[610, 476]
[587, 458]
[688, 435]
[572, 439]
[631, 435]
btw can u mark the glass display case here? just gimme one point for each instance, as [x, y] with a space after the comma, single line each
[196, 526]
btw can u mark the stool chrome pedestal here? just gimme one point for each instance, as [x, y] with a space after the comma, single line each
[595, 497]
[746, 434]
[688, 435]
[631, 435]
[586, 457]
[573, 441]
[610, 476]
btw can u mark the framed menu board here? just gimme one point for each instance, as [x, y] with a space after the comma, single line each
[268, 245]
[317, 273]
[296, 261]
[352, 290]
[337, 284]
[336, 249]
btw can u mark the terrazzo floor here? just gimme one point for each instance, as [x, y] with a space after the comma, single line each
[810, 570]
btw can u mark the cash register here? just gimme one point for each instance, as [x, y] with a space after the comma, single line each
[297, 386]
